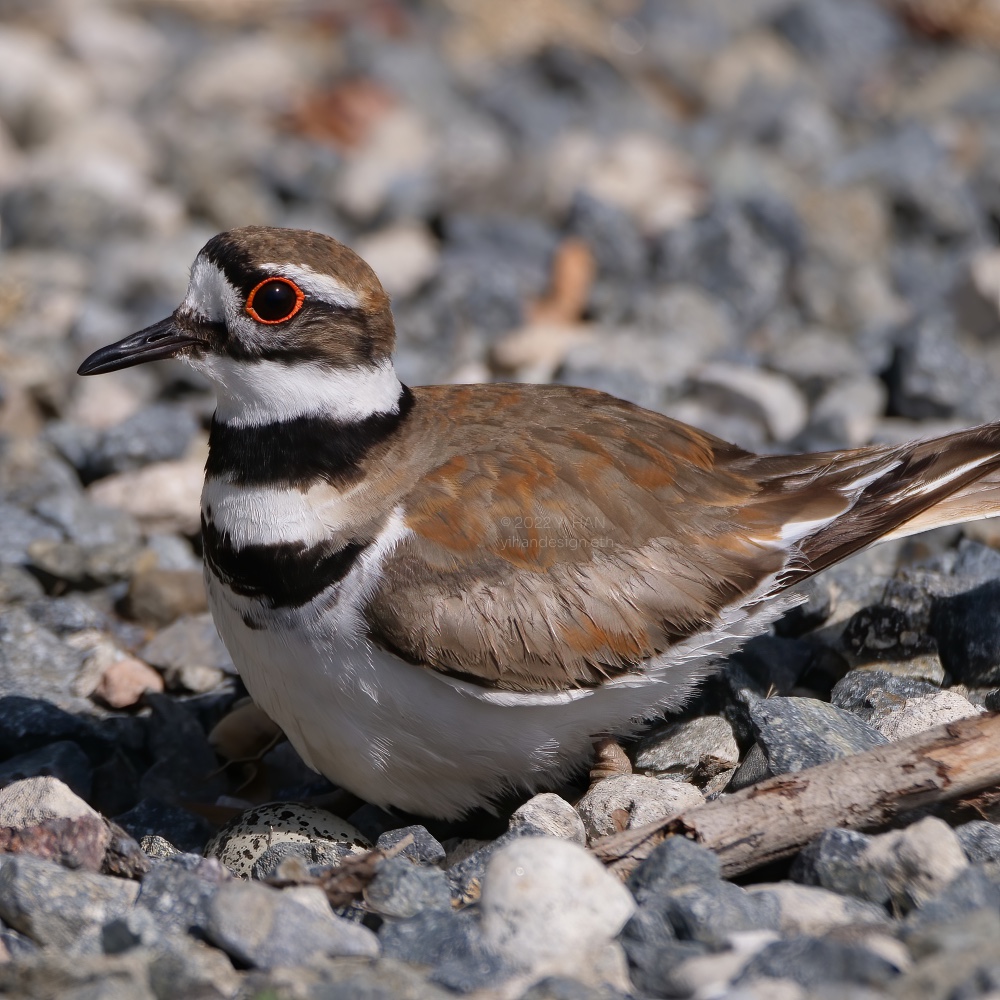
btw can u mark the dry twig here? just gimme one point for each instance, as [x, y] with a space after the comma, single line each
[776, 818]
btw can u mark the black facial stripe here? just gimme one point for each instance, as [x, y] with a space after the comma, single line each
[297, 452]
[234, 262]
[276, 346]
[285, 574]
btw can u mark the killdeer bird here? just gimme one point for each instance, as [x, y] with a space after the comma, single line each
[444, 593]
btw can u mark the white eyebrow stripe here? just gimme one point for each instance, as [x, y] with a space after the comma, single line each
[324, 287]
[209, 291]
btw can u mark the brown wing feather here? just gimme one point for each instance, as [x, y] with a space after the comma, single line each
[565, 536]
[559, 537]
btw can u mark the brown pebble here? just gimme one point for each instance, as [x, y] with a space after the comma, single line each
[244, 733]
[124, 681]
[160, 596]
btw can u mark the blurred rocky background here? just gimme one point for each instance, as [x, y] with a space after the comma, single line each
[776, 219]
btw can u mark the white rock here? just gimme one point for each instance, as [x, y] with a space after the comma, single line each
[548, 815]
[850, 408]
[40, 92]
[705, 746]
[34, 800]
[645, 800]
[400, 146]
[653, 182]
[248, 74]
[811, 909]
[241, 842]
[917, 715]
[552, 908]
[774, 396]
[709, 975]
[163, 496]
[918, 862]
[404, 256]
[191, 642]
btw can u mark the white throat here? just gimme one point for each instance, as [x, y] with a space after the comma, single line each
[253, 393]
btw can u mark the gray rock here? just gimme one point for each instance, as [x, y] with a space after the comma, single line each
[551, 907]
[980, 841]
[818, 605]
[60, 908]
[434, 937]
[724, 253]
[63, 760]
[812, 961]
[425, 848]
[561, 988]
[69, 976]
[33, 800]
[404, 889]
[873, 694]
[72, 613]
[30, 470]
[711, 912]
[833, 861]
[797, 733]
[975, 564]
[810, 909]
[637, 799]
[29, 723]
[921, 714]
[157, 848]
[883, 631]
[965, 627]
[178, 891]
[544, 815]
[137, 928]
[191, 640]
[934, 376]
[192, 969]
[185, 766]
[915, 863]
[158, 433]
[315, 856]
[616, 242]
[547, 815]
[675, 863]
[753, 768]
[18, 529]
[61, 563]
[86, 523]
[694, 750]
[655, 954]
[151, 817]
[976, 890]
[34, 663]
[264, 928]
[492, 265]
[17, 585]
[845, 41]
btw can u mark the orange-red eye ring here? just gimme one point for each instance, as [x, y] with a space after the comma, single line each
[300, 297]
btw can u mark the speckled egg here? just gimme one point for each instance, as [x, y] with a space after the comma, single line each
[244, 839]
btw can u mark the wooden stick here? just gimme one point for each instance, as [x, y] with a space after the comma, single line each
[776, 818]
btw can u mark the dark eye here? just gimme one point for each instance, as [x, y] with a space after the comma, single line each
[275, 300]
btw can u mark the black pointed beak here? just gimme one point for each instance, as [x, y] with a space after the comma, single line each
[165, 339]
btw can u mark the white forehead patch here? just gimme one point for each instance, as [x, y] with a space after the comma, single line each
[316, 285]
[209, 296]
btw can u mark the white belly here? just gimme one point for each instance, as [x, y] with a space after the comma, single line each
[405, 736]
[400, 735]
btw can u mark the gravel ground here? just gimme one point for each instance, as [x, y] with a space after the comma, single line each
[775, 219]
